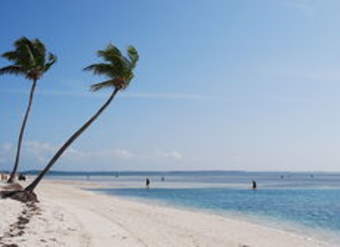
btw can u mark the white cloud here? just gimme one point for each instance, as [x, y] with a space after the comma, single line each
[43, 151]
[6, 150]
[123, 154]
[172, 155]
[109, 154]
[169, 96]
[39, 153]
[6, 147]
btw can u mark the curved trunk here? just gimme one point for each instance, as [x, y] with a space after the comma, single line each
[21, 134]
[32, 186]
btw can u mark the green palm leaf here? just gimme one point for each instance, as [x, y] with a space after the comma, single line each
[32, 58]
[116, 67]
[101, 85]
[51, 60]
[12, 69]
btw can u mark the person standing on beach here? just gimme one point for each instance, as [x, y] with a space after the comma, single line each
[147, 183]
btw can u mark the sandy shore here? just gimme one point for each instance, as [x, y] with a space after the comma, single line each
[70, 216]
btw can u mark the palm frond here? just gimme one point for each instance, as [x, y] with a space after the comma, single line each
[31, 54]
[21, 42]
[112, 55]
[109, 55]
[133, 56]
[18, 57]
[12, 69]
[99, 68]
[39, 52]
[31, 57]
[118, 68]
[104, 69]
[51, 60]
[39, 46]
[10, 55]
[101, 85]
[25, 47]
[111, 50]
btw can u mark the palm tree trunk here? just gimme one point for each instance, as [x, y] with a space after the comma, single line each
[21, 134]
[31, 187]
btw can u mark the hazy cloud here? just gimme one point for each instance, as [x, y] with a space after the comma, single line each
[172, 155]
[35, 152]
[307, 7]
[141, 95]
[5, 153]
[43, 151]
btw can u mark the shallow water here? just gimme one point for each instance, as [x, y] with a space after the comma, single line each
[311, 207]
[303, 199]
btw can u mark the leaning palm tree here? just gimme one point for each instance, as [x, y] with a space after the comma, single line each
[119, 71]
[31, 60]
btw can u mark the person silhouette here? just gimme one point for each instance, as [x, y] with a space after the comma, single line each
[254, 185]
[147, 183]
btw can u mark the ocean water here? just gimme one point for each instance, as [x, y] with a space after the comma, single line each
[310, 207]
[305, 202]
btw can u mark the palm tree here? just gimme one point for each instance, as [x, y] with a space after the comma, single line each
[31, 60]
[119, 71]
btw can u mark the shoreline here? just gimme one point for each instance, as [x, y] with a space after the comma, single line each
[72, 216]
[326, 236]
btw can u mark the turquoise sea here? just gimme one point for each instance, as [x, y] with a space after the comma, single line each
[303, 202]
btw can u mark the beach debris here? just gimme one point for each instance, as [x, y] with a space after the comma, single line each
[18, 228]
[11, 187]
[16, 192]
[19, 195]
[21, 177]
[3, 176]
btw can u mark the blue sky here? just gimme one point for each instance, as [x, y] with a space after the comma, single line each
[234, 85]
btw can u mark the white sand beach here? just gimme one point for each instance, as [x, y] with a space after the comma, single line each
[70, 216]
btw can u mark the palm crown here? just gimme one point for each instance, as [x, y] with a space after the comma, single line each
[118, 68]
[29, 58]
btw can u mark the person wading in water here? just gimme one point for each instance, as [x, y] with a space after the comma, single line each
[147, 183]
[254, 185]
